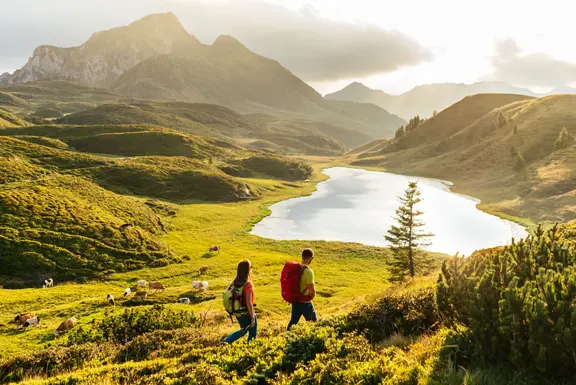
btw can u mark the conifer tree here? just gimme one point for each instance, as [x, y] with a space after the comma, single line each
[407, 239]
[564, 139]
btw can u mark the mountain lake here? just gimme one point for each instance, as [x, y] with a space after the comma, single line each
[357, 205]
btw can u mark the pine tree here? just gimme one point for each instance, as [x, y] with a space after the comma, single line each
[407, 239]
[564, 139]
[400, 132]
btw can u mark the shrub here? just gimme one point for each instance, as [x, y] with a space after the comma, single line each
[517, 301]
[53, 361]
[124, 327]
[278, 167]
[409, 314]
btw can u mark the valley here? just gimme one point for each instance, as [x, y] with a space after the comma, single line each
[145, 155]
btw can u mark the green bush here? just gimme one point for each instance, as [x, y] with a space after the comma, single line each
[278, 167]
[52, 361]
[124, 327]
[409, 314]
[517, 302]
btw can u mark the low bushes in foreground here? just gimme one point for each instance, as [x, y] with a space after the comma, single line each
[124, 327]
[517, 304]
[408, 314]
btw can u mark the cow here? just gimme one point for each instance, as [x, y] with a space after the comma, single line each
[200, 285]
[184, 300]
[66, 325]
[203, 270]
[110, 299]
[32, 321]
[141, 283]
[127, 292]
[214, 249]
[157, 286]
[21, 319]
[142, 295]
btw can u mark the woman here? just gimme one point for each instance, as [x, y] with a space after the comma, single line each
[247, 317]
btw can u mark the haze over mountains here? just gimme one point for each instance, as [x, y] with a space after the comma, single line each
[155, 58]
[425, 99]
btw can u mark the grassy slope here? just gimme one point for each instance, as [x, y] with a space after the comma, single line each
[345, 273]
[476, 155]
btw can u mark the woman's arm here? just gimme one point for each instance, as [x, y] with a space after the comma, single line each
[250, 307]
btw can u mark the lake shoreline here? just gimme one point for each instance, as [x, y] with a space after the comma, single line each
[284, 215]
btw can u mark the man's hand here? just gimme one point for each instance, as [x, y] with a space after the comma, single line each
[311, 291]
[252, 322]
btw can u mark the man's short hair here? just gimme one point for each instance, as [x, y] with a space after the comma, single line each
[307, 253]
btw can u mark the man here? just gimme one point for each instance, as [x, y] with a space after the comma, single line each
[305, 307]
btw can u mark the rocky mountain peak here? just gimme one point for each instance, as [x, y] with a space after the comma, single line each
[107, 54]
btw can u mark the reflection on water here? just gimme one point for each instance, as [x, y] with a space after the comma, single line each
[358, 206]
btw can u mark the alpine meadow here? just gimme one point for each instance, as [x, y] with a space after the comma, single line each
[270, 193]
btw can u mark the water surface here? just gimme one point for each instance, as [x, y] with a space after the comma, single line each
[357, 205]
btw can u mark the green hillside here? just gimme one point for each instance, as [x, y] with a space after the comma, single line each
[63, 96]
[8, 120]
[289, 136]
[63, 207]
[506, 155]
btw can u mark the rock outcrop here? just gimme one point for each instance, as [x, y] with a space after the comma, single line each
[107, 54]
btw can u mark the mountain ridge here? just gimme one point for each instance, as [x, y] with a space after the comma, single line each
[425, 99]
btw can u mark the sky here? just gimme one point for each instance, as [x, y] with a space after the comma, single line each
[388, 45]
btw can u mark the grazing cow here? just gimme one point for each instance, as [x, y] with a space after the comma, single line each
[21, 319]
[203, 270]
[200, 285]
[66, 325]
[184, 300]
[214, 249]
[48, 283]
[110, 299]
[157, 286]
[141, 295]
[127, 292]
[141, 283]
[32, 321]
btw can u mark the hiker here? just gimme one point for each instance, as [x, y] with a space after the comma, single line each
[302, 303]
[239, 302]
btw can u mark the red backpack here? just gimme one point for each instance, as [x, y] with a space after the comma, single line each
[290, 282]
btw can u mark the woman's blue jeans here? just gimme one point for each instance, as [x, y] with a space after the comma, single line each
[244, 322]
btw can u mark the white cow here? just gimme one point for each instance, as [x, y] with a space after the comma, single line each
[200, 285]
[32, 321]
[127, 292]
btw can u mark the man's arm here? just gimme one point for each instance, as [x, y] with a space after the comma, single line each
[311, 290]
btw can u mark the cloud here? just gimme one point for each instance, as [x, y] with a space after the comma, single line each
[313, 47]
[534, 69]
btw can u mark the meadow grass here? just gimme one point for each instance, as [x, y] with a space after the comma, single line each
[346, 273]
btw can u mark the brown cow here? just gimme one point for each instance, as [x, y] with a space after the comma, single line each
[66, 325]
[214, 248]
[203, 270]
[21, 319]
[157, 286]
[142, 295]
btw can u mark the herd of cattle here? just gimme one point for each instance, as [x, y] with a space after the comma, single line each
[27, 320]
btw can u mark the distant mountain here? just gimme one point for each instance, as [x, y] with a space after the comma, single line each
[423, 100]
[106, 55]
[155, 58]
[566, 90]
[502, 149]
